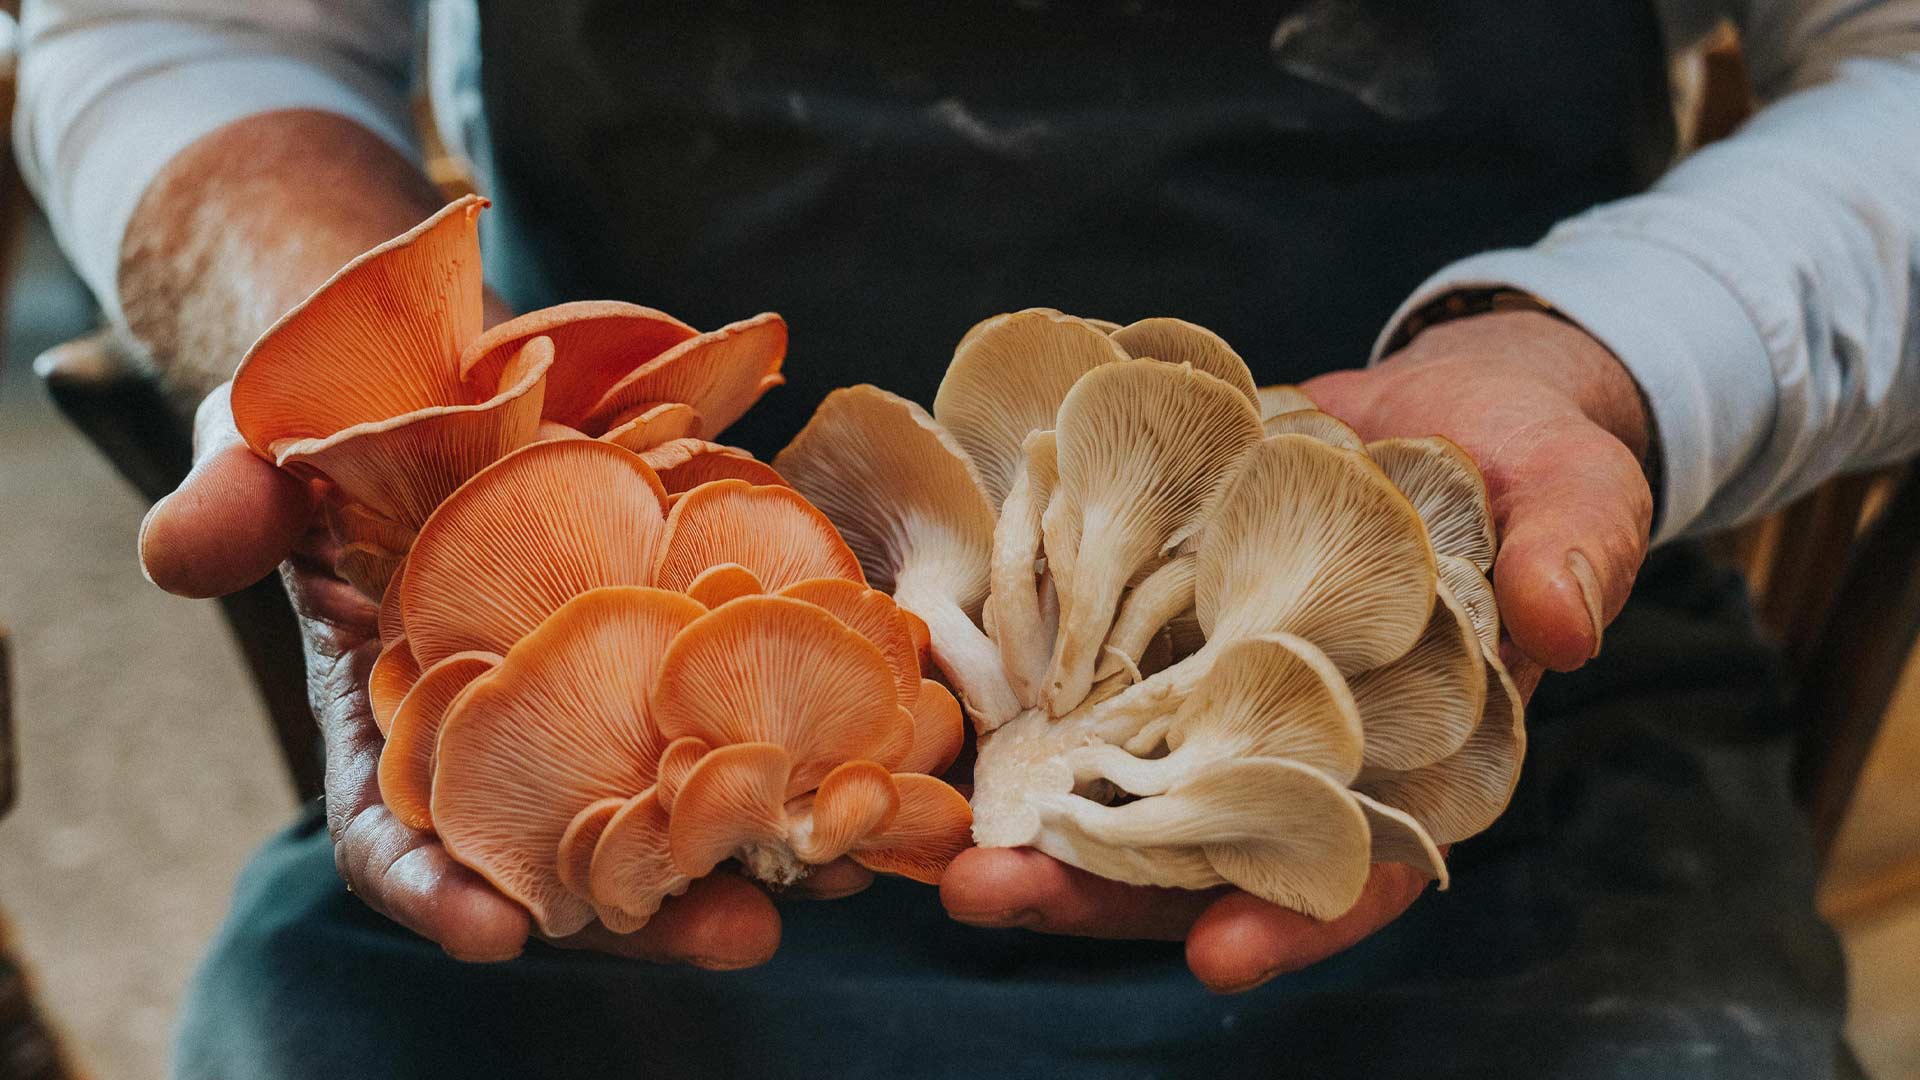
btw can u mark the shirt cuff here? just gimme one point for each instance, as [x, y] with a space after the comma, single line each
[1683, 335]
[93, 144]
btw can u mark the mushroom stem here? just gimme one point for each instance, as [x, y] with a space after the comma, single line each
[963, 651]
[1152, 604]
[1088, 602]
[1019, 625]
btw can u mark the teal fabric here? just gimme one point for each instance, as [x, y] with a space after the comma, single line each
[1644, 911]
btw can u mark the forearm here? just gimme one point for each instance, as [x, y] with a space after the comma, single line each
[246, 222]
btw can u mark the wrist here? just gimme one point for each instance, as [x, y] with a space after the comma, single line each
[244, 224]
[1551, 350]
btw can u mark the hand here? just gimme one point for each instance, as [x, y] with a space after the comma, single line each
[1558, 428]
[231, 522]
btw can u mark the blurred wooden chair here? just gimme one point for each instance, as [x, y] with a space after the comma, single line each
[28, 1048]
[100, 383]
[1836, 583]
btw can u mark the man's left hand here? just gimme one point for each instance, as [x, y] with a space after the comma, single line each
[1559, 430]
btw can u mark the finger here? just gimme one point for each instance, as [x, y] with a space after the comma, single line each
[232, 519]
[1573, 509]
[1020, 887]
[1525, 673]
[406, 875]
[837, 879]
[721, 923]
[1242, 941]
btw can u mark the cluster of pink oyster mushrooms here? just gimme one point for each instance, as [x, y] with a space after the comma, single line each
[1205, 633]
[613, 654]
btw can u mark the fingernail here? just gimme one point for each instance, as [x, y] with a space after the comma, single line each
[1018, 918]
[1589, 583]
[1259, 980]
[725, 963]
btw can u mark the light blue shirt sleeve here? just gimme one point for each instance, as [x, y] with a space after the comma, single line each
[1766, 292]
[111, 90]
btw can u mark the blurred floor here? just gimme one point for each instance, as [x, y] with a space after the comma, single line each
[148, 773]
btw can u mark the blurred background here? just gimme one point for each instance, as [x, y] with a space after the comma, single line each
[145, 763]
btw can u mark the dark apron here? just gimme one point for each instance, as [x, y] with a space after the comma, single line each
[885, 175]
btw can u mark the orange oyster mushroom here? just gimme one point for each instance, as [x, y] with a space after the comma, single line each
[644, 653]
[382, 384]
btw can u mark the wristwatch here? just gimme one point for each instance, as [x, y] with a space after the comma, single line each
[1465, 303]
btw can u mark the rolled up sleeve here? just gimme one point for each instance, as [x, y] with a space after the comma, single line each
[1764, 292]
[111, 91]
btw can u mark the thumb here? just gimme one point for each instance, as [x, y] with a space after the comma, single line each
[1573, 511]
[231, 521]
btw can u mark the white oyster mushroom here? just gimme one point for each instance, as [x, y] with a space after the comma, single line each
[1283, 398]
[1145, 449]
[1423, 706]
[1225, 641]
[1007, 379]
[1397, 837]
[1176, 341]
[1475, 593]
[910, 507]
[1322, 426]
[1446, 489]
[1463, 793]
[1283, 831]
[1270, 696]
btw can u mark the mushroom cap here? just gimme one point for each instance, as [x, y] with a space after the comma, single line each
[1462, 793]
[378, 340]
[404, 466]
[1397, 837]
[560, 724]
[1475, 593]
[573, 861]
[898, 488]
[1275, 695]
[772, 669]
[873, 615]
[1176, 341]
[1282, 831]
[1007, 379]
[393, 673]
[939, 731]
[1322, 426]
[1314, 541]
[930, 827]
[1421, 707]
[735, 796]
[652, 423]
[595, 344]
[726, 581]
[632, 869]
[1145, 449]
[1447, 491]
[1282, 398]
[590, 513]
[406, 760]
[772, 531]
[856, 800]
[720, 374]
[1270, 696]
[684, 464]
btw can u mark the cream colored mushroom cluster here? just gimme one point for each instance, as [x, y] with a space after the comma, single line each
[1207, 634]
